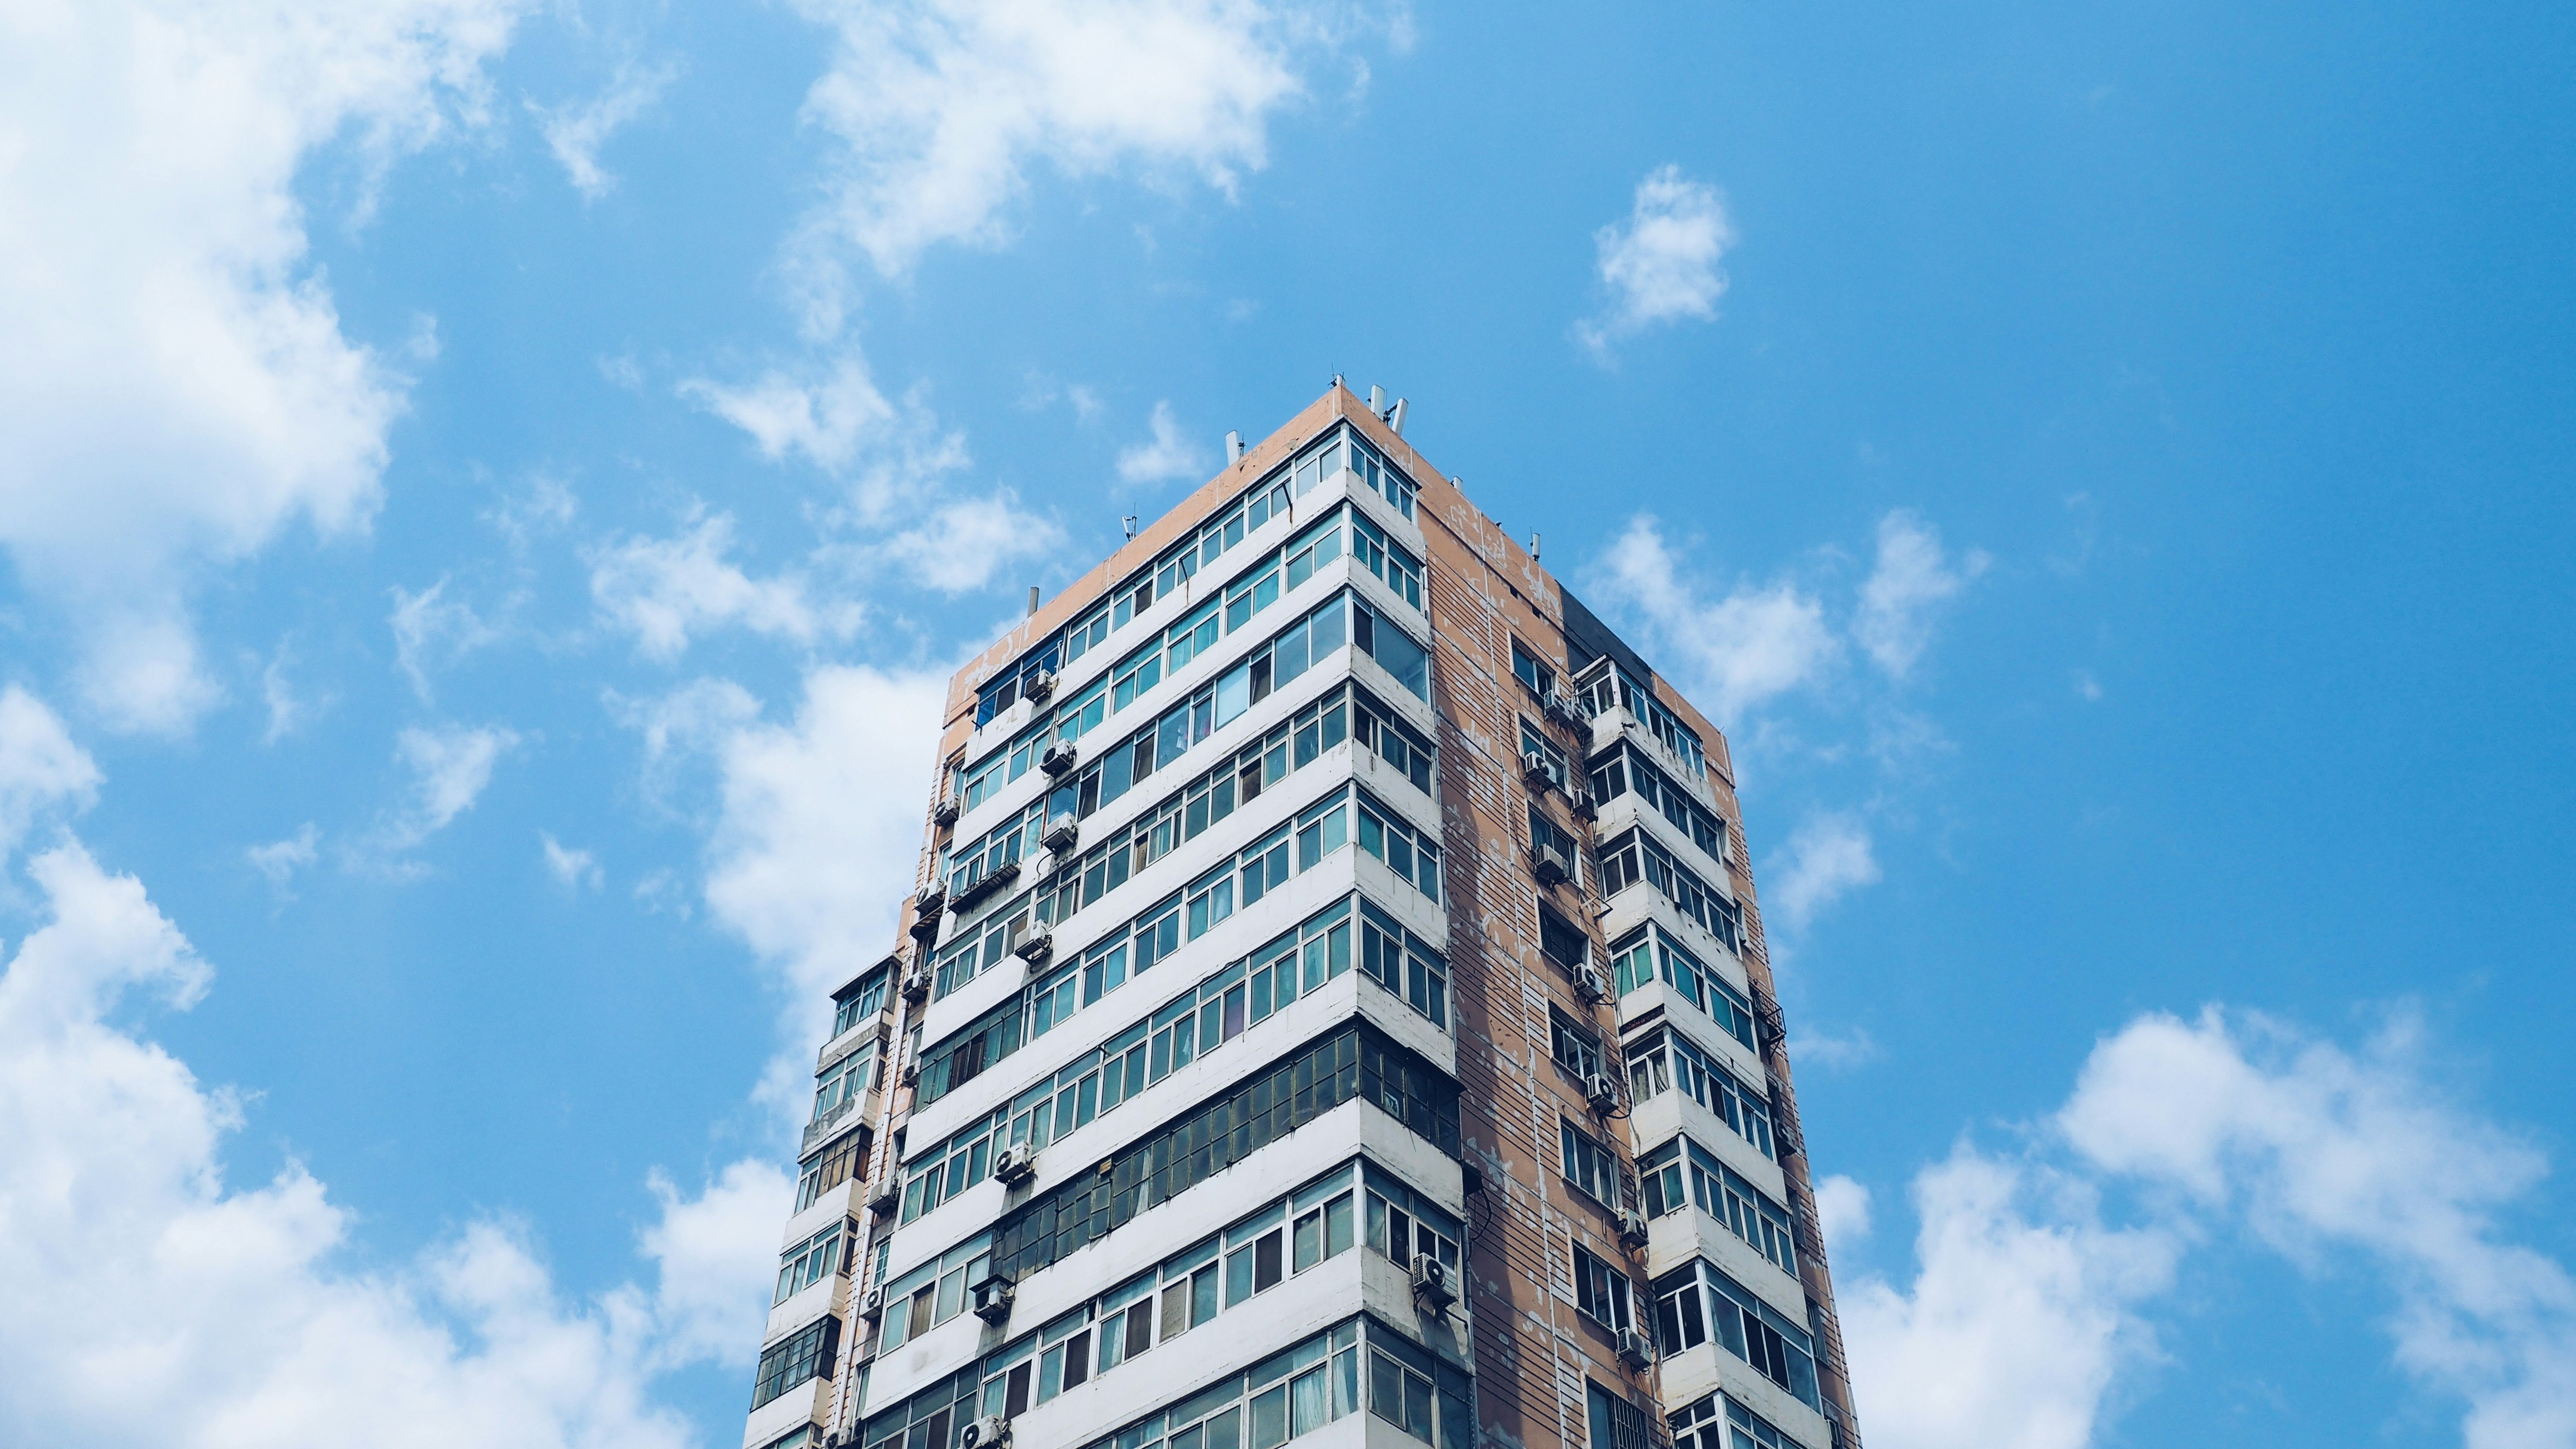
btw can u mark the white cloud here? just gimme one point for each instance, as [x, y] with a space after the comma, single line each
[286, 712]
[450, 766]
[575, 133]
[177, 389]
[1165, 457]
[279, 860]
[2027, 1310]
[887, 453]
[964, 543]
[261, 1330]
[663, 590]
[696, 716]
[1757, 643]
[1828, 857]
[434, 631]
[1842, 1210]
[2325, 1154]
[941, 106]
[43, 773]
[820, 835]
[574, 870]
[716, 1252]
[1661, 265]
[1906, 589]
[2023, 1311]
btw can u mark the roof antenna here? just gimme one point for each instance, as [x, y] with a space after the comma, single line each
[1377, 399]
[1233, 446]
[1337, 379]
[1533, 548]
[1395, 418]
[1033, 601]
[1130, 522]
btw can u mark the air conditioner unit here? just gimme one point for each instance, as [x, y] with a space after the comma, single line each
[1431, 1282]
[1035, 948]
[1581, 800]
[872, 1304]
[1535, 772]
[993, 1299]
[885, 1199]
[912, 1072]
[1059, 757]
[1590, 984]
[1015, 1164]
[945, 812]
[1602, 1091]
[1062, 831]
[989, 1432]
[1562, 708]
[916, 983]
[1632, 1229]
[1553, 866]
[1039, 685]
[1634, 1351]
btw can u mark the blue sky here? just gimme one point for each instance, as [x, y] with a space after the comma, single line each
[489, 493]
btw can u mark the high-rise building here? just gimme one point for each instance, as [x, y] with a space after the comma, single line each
[1333, 1004]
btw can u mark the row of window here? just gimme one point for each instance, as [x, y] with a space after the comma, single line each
[801, 1357]
[1178, 564]
[1185, 1028]
[1633, 962]
[828, 1169]
[1698, 1302]
[859, 1001]
[1407, 851]
[1722, 1193]
[1192, 720]
[1289, 1236]
[933, 1293]
[1266, 864]
[1353, 1060]
[1404, 964]
[824, 1255]
[1255, 590]
[1259, 586]
[1292, 849]
[1637, 856]
[1664, 1060]
[1624, 767]
[1703, 1425]
[1287, 1395]
[1610, 686]
[1183, 816]
[1589, 1165]
[841, 1084]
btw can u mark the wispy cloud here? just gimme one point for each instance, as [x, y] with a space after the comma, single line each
[1166, 456]
[574, 870]
[1828, 856]
[575, 133]
[663, 590]
[279, 860]
[433, 631]
[449, 767]
[941, 107]
[1756, 643]
[44, 774]
[177, 390]
[1906, 588]
[965, 543]
[2029, 1307]
[1660, 265]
